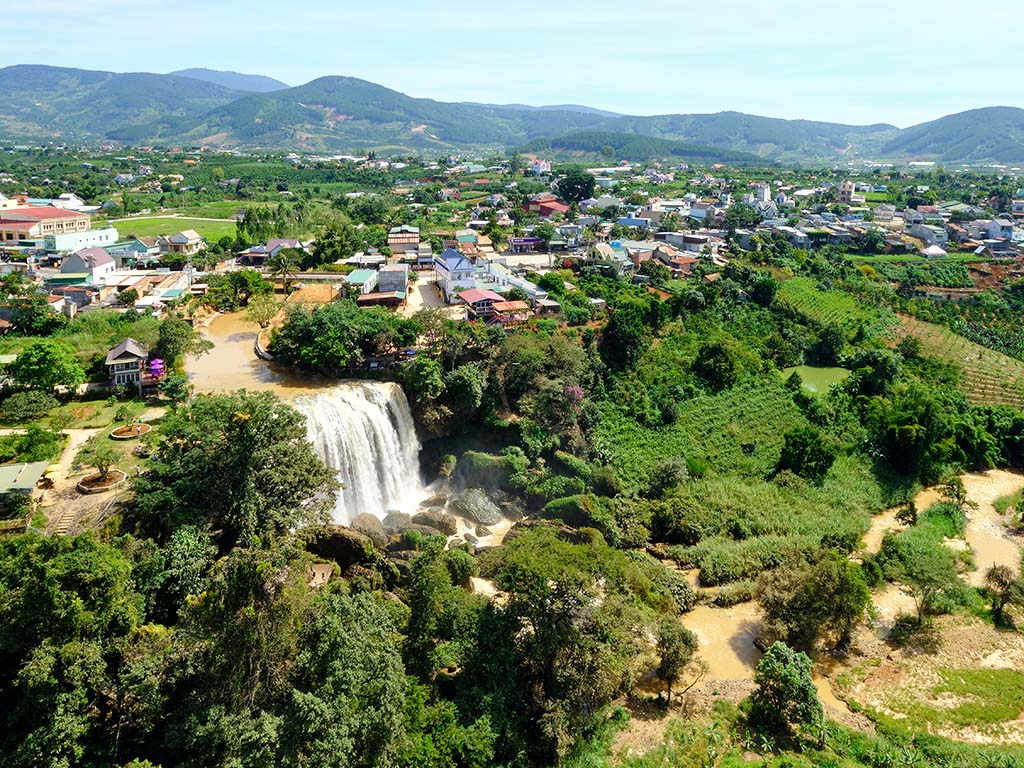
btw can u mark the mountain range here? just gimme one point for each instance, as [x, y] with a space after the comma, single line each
[338, 114]
[234, 80]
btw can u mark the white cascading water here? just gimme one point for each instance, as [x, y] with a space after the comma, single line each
[365, 431]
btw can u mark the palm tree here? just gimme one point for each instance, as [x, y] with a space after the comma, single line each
[283, 265]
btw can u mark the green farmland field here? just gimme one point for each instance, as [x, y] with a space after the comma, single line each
[150, 226]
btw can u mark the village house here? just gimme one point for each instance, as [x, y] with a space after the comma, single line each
[96, 263]
[257, 255]
[404, 238]
[362, 280]
[393, 277]
[509, 314]
[929, 234]
[545, 205]
[186, 243]
[479, 303]
[454, 273]
[126, 364]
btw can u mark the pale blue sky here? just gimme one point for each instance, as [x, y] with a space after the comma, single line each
[897, 61]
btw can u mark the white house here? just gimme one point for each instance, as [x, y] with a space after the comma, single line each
[929, 234]
[95, 262]
[999, 229]
[454, 273]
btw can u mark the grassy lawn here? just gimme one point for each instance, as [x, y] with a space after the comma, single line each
[86, 414]
[97, 413]
[168, 225]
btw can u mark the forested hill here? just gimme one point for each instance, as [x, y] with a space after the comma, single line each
[72, 104]
[627, 146]
[994, 133]
[332, 114]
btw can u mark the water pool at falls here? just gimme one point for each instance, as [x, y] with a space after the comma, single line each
[365, 432]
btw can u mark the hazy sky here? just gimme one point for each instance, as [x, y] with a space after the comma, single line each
[897, 61]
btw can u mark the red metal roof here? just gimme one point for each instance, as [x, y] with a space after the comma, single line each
[41, 212]
[474, 295]
[17, 224]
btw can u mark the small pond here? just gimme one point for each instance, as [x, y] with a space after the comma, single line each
[817, 378]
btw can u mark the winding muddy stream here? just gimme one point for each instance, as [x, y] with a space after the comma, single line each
[726, 635]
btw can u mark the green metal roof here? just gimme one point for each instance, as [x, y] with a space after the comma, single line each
[21, 477]
[360, 276]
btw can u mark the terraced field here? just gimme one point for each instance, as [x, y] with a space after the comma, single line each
[802, 296]
[990, 377]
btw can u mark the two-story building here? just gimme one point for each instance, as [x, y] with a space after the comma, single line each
[186, 243]
[454, 273]
[94, 262]
[480, 303]
[404, 238]
[126, 364]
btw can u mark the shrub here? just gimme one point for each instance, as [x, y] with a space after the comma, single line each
[584, 510]
[947, 518]
[733, 594]
[27, 406]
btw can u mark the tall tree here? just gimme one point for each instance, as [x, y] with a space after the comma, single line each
[240, 463]
[47, 363]
[786, 698]
[676, 647]
[576, 185]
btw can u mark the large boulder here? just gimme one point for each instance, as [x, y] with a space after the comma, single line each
[475, 505]
[343, 545]
[426, 530]
[396, 521]
[370, 526]
[437, 518]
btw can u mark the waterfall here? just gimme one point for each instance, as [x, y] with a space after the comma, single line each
[365, 432]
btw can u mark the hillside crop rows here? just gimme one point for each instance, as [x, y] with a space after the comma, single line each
[801, 296]
[710, 428]
[990, 377]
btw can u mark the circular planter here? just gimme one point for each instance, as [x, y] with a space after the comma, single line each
[130, 431]
[92, 484]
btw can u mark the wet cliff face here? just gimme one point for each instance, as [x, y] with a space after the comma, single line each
[365, 432]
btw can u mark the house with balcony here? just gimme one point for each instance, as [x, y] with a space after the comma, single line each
[186, 243]
[126, 364]
[480, 303]
[454, 273]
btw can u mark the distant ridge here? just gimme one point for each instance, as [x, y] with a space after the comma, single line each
[234, 80]
[630, 146]
[551, 107]
[338, 114]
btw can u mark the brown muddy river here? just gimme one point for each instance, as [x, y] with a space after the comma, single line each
[232, 363]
